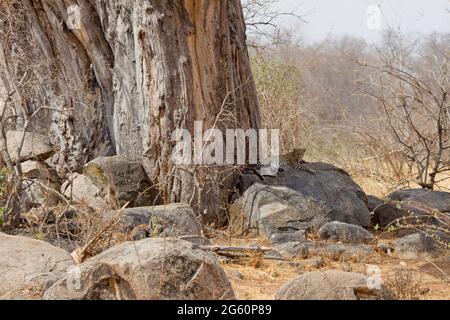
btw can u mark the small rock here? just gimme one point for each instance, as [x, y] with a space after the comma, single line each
[291, 250]
[315, 262]
[40, 185]
[418, 245]
[37, 192]
[39, 170]
[340, 251]
[339, 231]
[298, 236]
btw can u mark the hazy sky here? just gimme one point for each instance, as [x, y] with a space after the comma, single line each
[350, 17]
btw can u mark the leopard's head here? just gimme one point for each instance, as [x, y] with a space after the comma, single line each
[298, 153]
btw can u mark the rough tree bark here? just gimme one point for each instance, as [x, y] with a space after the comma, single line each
[133, 72]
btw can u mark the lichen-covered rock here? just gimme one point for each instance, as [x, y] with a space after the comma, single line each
[151, 269]
[121, 181]
[311, 263]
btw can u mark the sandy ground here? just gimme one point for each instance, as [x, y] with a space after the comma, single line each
[260, 280]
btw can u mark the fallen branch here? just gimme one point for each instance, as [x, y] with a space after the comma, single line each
[215, 248]
[235, 249]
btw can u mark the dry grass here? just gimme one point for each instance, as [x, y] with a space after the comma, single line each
[76, 228]
[259, 283]
[97, 233]
[379, 178]
[262, 281]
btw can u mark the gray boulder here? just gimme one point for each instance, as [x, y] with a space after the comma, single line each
[415, 205]
[330, 285]
[343, 200]
[311, 263]
[340, 231]
[271, 211]
[289, 250]
[390, 212]
[418, 245]
[35, 146]
[428, 199]
[151, 269]
[172, 220]
[121, 180]
[28, 266]
[406, 214]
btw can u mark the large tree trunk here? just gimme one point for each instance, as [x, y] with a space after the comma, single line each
[133, 72]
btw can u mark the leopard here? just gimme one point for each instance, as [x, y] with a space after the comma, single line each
[293, 159]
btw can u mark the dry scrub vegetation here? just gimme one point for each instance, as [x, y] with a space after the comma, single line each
[381, 112]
